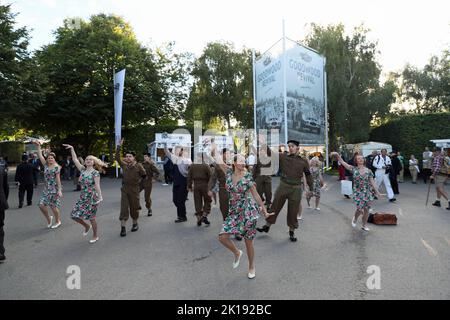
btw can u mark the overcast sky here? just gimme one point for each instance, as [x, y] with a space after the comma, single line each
[407, 31]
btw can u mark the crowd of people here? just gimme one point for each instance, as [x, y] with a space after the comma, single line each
[244, 187]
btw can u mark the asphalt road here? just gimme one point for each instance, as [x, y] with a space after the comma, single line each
[164, 260]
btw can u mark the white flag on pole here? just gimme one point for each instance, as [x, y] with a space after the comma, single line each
[119, 85]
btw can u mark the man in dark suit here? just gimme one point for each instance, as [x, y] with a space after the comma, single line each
[24, 178]
[4, 190]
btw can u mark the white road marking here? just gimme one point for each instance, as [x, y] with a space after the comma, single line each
[400, 212]
[429, 248]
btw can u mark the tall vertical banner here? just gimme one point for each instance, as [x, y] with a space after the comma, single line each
[269, 96]
[305, 95]
[294, 78]
[119, 85]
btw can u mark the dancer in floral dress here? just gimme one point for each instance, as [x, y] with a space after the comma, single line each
[363, 188]
[243, 211]
[52, 194]
[318, 183]
[91, 194]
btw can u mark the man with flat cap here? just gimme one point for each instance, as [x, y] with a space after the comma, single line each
[292, 168]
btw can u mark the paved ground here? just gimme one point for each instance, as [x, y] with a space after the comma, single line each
[164, 260]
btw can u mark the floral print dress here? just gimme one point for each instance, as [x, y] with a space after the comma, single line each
[315, 175]
[86, 206]
[50, 196]
[362, 189]
[243, 210]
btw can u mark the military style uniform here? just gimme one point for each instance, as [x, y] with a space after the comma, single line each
[219, 175]
[147, 184]
[199, 176]
[132, 176]
[262, 179]
[292, 168]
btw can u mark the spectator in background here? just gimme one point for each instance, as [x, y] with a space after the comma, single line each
[168, 167]
[369, 161]
[348, 174]
[394, 172]
[401, 175]
[3, 164]
[426, 164]
[384, 166]
[439, 175]
[24, 179]
[4, 191]
[36, 164]
[414, 168]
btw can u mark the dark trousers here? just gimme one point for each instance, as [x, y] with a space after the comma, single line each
[147, 187]
[180, 193]
[167, 176]
[426, 174]
[223, 202]
[2, 233]
[201, 199]
[264, 188]
[394, 185]
[35, 177]
[29, 190]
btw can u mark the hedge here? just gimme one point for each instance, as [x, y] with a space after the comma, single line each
[411, 134]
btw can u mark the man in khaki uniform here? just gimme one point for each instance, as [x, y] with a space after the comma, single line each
[147, 184]
[133, 173]
[262, 174]
[292, 167]
[197, 181]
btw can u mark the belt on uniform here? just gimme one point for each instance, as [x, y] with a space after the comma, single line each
[292, 182]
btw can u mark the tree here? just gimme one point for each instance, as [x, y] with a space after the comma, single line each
[355, 96]
[427, 89]
[222, 85]
[79, 68]
[20, 91]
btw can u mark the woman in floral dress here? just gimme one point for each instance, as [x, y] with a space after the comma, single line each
[363, 188]
[52, 194]
[91, 194]
[318, 183]
[243, 210]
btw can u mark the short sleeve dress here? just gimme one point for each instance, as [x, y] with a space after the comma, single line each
[50, 196]
[243, 210]
[86, 207]
[315, 175]
[362, 189]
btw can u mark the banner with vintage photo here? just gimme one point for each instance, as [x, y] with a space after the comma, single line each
[269, 92]
[305, 95]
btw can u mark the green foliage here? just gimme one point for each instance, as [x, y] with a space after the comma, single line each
[222, 86]
[427, 89]
[412, 133]
[355, 96]
[20, 91]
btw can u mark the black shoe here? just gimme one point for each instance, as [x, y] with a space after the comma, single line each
[392, 200]
[437, 204]
[205, 221]
[376, 198]
[135, 228]
[2, 258]
[20, 206]
[123, 232]
[264, 229]
[30, 204]
[180, 220]
[348, 197]
[150, 213]
[448, 207]
[292, 236]
[238, 237]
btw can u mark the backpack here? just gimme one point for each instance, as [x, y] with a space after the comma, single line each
[383, 218]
